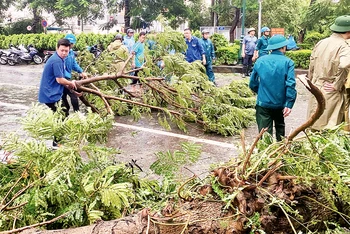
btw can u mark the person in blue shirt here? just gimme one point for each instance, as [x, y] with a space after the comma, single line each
[248, 47]
[209, 55]
[274, 82]
[71, 65]
[129, 39]
[53, 78]
[138, 50]
[195, 49]
[260, 49]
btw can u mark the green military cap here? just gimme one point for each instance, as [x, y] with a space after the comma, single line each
[341, 24]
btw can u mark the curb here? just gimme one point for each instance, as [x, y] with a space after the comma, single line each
[238, 69]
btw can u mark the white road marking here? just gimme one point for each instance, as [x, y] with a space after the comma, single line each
[164, 133]
[12, 105]
[154, 131]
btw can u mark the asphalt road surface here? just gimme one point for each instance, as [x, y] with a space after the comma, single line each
[137, 140]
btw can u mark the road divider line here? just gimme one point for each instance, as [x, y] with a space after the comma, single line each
[164, 133]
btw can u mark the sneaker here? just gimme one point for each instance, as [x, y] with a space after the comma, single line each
[55, 145]
[215, 84]
[243, 75]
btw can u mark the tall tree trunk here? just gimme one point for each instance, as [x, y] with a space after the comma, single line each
[212, 12]
[127, 13]
[234, 23]
[302, 32]
[36, 20]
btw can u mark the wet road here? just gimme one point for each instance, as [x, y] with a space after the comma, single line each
[137, 140]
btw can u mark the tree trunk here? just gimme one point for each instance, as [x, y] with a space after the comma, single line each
[36, 20]
[234, 24]
[127, 13]
[302, 32]
[212, 13]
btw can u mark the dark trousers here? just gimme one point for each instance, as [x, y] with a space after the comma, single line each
[209, 71]
[247, 64]
[266, 118]
[73, 99]
[135, 81]
[53, 107]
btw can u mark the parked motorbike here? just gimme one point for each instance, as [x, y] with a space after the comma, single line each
[48, 54]
[3, 56]
[22, 54]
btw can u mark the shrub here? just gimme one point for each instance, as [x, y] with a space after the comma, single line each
[49, 41]
[313, 37]
[219, 40]
[227, 55]
[306, 46]
[301, 58]
[197, 34]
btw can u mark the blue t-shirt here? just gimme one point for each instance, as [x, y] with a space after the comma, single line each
[71, 65]
[250, 44]
[50, 91]
[194, 50]
[129, 42]
[139, 49]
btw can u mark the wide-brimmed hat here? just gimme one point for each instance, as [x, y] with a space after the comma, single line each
[277, 42]
[341, 24]
[250, 29]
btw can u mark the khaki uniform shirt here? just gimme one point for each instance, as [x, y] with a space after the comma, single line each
[330, 62]
[120, 52]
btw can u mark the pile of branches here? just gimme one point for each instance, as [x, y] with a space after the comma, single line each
[295, 186]
[179, 93]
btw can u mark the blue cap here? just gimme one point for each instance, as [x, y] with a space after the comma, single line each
[72, 39]
[265, 29]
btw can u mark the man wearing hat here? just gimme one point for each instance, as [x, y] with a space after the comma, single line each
[71, 65]
[329, 68]
[260, 49]
[129, 39]
[209, 55]
[273, 80]
[248, 48]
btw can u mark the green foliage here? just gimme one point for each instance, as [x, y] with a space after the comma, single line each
[81, 179]
[313, 37]
[49, 41]
[301, 58]
[227, 55]
[218, 40]
[305, 46]
[20, 27]
[197, 33]
[168, 163]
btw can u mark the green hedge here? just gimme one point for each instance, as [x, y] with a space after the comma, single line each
[49, 41]
[305, 46]
[227, 55]
[301, 58]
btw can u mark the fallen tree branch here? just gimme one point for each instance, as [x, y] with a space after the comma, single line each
[321, 104]
[35, 225]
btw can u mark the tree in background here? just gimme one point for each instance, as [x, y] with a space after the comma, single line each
[85, 10]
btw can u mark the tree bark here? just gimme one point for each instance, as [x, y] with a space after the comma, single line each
[127, 13]
[234, 24]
